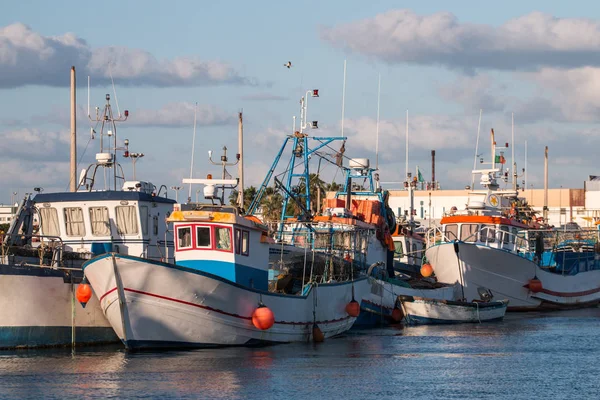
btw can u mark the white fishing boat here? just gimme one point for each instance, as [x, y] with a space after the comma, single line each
[55, 233]
[424, 311]
[498, 243]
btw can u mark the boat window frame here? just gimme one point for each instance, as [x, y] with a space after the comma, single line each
[401, 253]
[215, 239]
[237, 240]
[210, 237]
[67, 223]
[245, 235]
[144, 221]
[490, 233]
[136, 219]
[107, 221]
[473, 234]
[454, 233]
[505, 233]
[55, 218]
[177, 238]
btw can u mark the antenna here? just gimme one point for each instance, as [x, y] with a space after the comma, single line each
[406, 143]
[377, 129]
[476, 149]
[514, 181]
[526, 164]
[89, 98]
[193, 148]
[114, 91]
[343, 98]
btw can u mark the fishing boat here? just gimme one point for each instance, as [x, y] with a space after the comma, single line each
[424, 311]
[500, 244]
[53, 234]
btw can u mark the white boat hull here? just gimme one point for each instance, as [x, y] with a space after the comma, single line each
[156, 305]
[37, 311]
[427, 311]
[507, 275]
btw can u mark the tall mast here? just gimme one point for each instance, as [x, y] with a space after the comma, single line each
[193, 149]
[546, 185]
[406, 144]
[476, 149]
[241, 159]
[377, 129]
[343, 99]
[73, 169]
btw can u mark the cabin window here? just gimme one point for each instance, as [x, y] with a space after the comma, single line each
[468, 232]
[203, 237]
[74, 221]
[127, 220]
[99, 221]
[245, 243]
[49, 221]
[504, 234]
[155, 225]
[238, 241]
[452, 232]
[515, 232]
[487, 233]
[184, 237]
[223, 238]
[414, 251]
[398, 249]
[144, 219]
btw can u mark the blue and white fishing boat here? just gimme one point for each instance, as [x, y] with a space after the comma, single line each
[55, 233]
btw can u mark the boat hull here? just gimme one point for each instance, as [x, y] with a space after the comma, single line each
[157, 305]
[507, 275]
[37, 311]
[379, 303]
[431, 312]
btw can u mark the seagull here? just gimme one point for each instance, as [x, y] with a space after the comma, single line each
[288, 64]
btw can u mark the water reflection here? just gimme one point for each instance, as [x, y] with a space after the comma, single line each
[507, 359]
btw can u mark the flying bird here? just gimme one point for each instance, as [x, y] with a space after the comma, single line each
[288, 64]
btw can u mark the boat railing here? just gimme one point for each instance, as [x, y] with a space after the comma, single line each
[46, 242]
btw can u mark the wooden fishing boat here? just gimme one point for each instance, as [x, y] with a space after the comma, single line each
[424, 311]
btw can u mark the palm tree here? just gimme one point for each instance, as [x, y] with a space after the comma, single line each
[249, 194]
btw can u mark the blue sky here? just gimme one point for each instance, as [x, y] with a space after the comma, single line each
[466, 56]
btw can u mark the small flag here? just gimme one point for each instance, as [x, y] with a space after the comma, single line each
[419, 176]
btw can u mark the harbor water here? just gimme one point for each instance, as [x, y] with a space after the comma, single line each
[526, 356]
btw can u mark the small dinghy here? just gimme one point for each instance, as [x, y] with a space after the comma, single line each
[424, 311]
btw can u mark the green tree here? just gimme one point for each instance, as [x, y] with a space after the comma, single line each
[249, 194]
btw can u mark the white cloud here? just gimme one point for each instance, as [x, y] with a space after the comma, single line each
[264, 97]
[527, 42]
[28, 58]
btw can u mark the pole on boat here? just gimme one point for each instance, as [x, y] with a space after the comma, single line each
[377, 129]
[241, 159]
[546, 185]
[73, 169]
[433, 185]
[476, 149]
[193, 149]
[514, 163]
[343, 98]
[406, 173]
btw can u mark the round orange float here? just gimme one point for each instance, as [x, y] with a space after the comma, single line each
[83, 294]
[397, 314]
[535, 285]
[353, 308]
[426, 270]
[263, 318]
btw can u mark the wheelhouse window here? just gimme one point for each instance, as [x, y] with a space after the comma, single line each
[487, 233]
[223, 238]
[468, 232]
[74, 221]
[184, 237]
[237, 241]
[203, 237]
[155, 225]
[451, 232]
[515, 232]
[99, 221]
[144, 219]
[245, 243]
[127, 220]
[414, 251]
[504, 234]
[49, 221]
[399, 249]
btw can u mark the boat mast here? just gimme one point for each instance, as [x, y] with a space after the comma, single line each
[241, 160]
[73, 170]
[476, 149]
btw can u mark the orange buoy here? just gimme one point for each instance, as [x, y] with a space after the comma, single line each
[353, 308]
[263, 318]
[318, 336]
[535, 285]
[83, 294]
[397, 314]
[426, 270]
